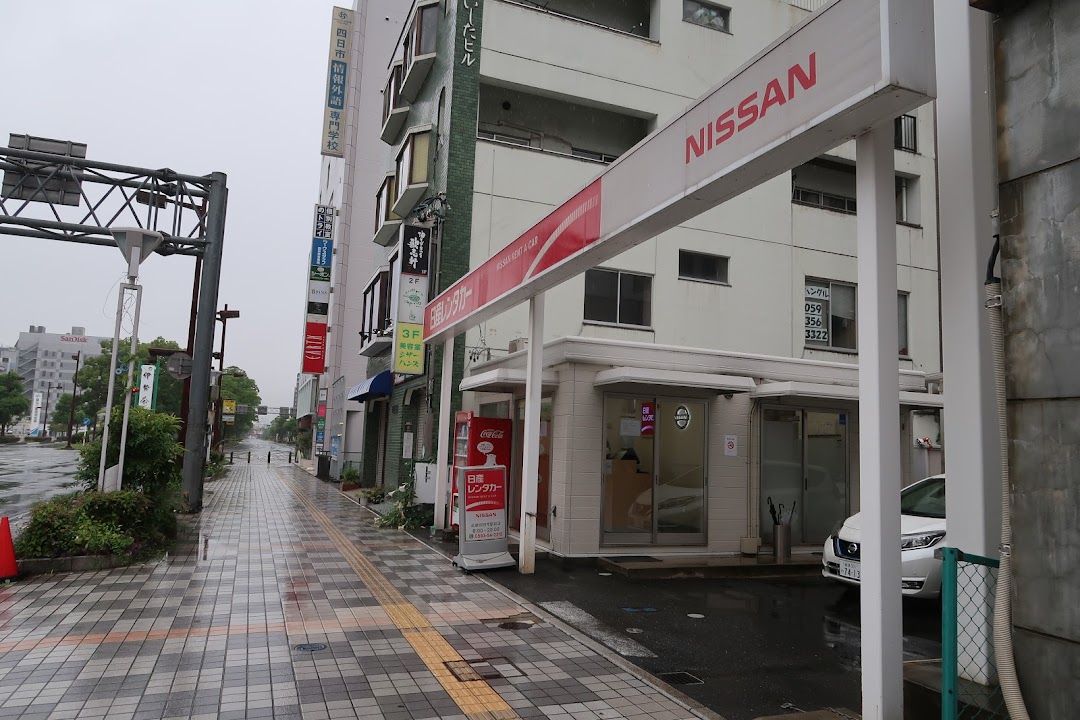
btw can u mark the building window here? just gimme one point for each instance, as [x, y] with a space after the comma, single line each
[427, 29]
[376, 312]
[702, 266]
[829, 201]
[905, 137]
[829, 315]
[707, 15]
[901, 324]
[616, 297]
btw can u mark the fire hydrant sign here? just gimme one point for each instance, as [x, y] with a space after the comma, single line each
[482, 541]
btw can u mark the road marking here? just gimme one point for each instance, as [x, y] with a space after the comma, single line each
[477, 700]
[586, 623]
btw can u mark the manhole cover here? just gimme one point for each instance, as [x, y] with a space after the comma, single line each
[516, 625]
[680, 678]
[310, 647]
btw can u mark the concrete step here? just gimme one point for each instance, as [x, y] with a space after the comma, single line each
[663, 568]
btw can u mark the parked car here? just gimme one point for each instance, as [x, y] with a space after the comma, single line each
[922, 528]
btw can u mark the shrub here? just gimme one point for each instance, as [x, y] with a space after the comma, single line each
[119, 523]
[350, 474]
[374, 496]
[9, 439]
[152, 450]
[404, 514]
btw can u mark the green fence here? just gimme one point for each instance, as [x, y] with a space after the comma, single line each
[969, 686]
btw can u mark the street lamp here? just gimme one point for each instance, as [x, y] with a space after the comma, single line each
[45, 417]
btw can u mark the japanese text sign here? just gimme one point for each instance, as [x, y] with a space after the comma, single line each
[337, 77]
[409, 349]
[484, 501]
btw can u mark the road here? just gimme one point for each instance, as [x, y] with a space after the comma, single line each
[30, 473]
[759, 645]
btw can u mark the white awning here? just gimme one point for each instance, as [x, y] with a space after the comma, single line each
[674, 378]
[823, 391]
[504, 380]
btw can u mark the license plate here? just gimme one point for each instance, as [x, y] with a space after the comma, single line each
[850, 570]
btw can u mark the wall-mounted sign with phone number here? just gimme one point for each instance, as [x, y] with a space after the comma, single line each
[816, 328]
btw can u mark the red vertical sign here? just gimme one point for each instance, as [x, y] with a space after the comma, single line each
[648, 419]
[314, 348]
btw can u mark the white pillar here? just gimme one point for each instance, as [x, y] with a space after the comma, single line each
[530, 467]
[967, 192]
[120, 297]
[444, 442]
[879, 428]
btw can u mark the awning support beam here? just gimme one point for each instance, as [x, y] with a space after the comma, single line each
[879, 417]
[530, 471]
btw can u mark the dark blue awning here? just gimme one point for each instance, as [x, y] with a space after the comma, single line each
[378, 386]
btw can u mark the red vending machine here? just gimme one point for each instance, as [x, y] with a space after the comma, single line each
[478, 441]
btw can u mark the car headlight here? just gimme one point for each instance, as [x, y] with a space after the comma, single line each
[677, 502]
[920, 540]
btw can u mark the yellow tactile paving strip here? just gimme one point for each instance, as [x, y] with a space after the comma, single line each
[476, 699]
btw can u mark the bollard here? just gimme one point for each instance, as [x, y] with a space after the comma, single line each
[249, 457]
[230, 458]
[290, 458]
[267, 458]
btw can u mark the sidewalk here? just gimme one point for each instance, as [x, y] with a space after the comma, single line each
[276, 561]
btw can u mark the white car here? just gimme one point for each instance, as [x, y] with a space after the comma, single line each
[922, 528]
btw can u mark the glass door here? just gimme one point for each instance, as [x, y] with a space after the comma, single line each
[825, 482]
[804, 461]
[679, 498]
[543, 487]
[654, 476]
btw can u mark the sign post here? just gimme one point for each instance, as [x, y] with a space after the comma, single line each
[482, 541]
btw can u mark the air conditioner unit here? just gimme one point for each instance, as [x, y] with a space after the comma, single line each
[518, 344]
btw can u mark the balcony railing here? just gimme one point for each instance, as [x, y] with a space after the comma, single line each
[906, 137]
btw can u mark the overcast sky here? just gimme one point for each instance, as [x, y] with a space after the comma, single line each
[197, 86]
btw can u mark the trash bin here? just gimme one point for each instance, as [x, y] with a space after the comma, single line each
[322, 466]
[781, 543]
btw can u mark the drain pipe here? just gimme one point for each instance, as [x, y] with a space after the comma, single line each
[1003, 645]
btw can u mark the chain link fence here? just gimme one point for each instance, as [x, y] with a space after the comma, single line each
[969, 687]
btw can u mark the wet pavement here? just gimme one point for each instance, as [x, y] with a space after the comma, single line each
[284, 600]
[760, 646]
[30, 473]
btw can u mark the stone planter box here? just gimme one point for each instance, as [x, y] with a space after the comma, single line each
[82, 563]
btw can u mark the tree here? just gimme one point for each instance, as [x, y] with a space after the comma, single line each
[58, 423]
[94, 377]
[13, 403]
[236, 385]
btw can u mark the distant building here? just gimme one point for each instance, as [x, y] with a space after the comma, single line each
[46, 361]
[8, 357]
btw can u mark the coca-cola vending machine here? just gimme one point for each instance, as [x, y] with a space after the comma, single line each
[477, 441]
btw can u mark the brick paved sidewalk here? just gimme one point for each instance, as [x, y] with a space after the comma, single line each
[278, 559]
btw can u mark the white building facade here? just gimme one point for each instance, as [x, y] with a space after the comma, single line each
[710, 369]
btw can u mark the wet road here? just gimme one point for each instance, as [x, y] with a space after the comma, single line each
[30, 473]
[761, 643]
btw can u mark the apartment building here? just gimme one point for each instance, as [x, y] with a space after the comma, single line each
[695, 376]
[46, 363]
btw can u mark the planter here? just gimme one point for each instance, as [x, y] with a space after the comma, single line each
[347, 486]
[80, 563]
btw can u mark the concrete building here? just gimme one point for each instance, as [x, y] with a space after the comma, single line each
[8, 359]
[687, 380]
[46, 362]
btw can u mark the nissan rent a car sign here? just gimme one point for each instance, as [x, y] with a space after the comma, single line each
[849, 66]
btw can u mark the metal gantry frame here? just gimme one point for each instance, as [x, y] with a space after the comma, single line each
[188, 210]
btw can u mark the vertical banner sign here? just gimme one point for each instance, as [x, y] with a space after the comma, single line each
[337, 75]
[320, 421]
[317, 307]
[648, 419]
[147, 384]
[482, 542]
[412, 284]
[35, 413]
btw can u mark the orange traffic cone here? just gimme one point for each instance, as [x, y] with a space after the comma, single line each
[8, 567]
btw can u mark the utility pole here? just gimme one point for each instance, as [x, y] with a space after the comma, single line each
[224, 316]
[45, 417]
[74, 391]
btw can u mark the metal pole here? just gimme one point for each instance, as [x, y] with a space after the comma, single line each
[45, 417]
[190, 349]
[112, 383]
[442, 447]
[879, 430]
[127, 395]
[74, 391]
[219, 425]
[530, 471]
[195, 446]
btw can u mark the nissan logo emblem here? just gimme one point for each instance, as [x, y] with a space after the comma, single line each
[853, 548]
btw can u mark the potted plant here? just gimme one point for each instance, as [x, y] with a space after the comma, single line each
[350, 478]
